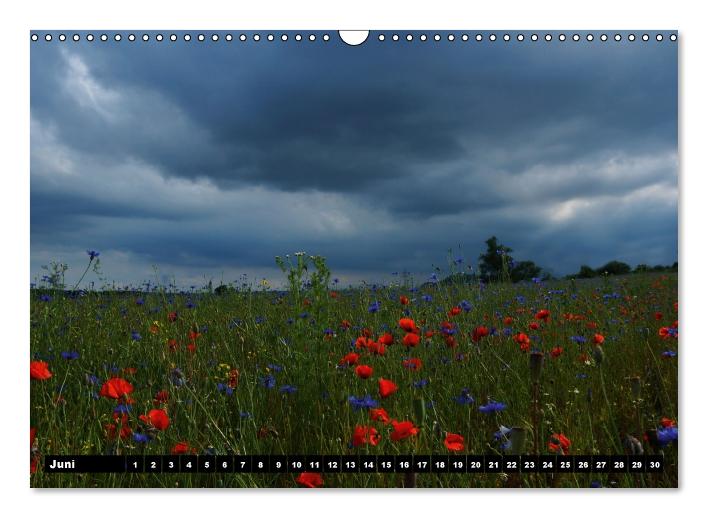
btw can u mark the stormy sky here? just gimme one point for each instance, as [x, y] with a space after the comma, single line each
[197, 160]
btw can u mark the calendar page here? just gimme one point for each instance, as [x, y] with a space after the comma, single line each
[354, 259]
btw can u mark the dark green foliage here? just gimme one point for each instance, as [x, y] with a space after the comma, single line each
[614, 268]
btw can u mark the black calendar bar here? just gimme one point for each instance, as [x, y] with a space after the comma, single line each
[479, 464]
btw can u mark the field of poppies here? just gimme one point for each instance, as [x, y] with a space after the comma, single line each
[583, 367]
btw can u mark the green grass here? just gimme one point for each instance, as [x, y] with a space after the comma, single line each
[592, 404]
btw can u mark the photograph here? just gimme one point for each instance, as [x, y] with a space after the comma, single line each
[353, 259]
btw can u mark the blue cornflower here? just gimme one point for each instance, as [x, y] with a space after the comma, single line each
[92, 379]
[177, 377]
[288, 389]
[464, 398]
[70, 355]
[669, 354]
[274, 367]
[135, 336]
[123, 409]
[595, 484]
[45, 298]
[427, 298]
[374, 306]
[260, 320]
[140, 301]
[245, 415]
[492, 406]
[190, 305]
[221, 387]
[421, 383]
[465, 304]
[363, 403]
[268, 381]
[579, 339]
[92, 254]
[666, 435]
[502, 437]
[141, 437]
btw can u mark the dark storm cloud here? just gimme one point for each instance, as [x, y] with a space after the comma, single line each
[486, 136]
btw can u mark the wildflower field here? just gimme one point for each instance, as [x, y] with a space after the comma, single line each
[581, 366]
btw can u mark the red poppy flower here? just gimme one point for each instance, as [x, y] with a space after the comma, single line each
[598, 339]
[667, 423]
[402, 430]
[386, 339]
[111, 429]
[556, 352]
[333, 294]
[559, 442]
[366, 332]
[376, 348]
[312, 480]
[349, 359]
[523, 340]
[192, 348]
[408, 325]
[508, 321]
[363, 371]
[534, 325]
[116, 388]
[365, 435]
[544, 315]
[180, 448]
[33, 434]
[157, 418]
[411, 340]
[386, 387]
[454, 442]
[454, 311]
[658, 315]
[450, 341]
[379, 414]
[404, 300]
[429, 334]
[172, 344]
[345, 324]
[413, 363]
[193, 335]
[664, 332]
[161, 397]
[40, 370]
[172, 316]
[233, 378]
[479, 332]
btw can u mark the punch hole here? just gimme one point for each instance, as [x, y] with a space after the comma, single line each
[353, 38]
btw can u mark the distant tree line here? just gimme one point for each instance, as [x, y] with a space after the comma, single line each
[620, 268]
[497, 264]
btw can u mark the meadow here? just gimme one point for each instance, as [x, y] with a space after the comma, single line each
[434, 368]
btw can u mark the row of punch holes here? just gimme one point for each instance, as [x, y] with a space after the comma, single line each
[380, 37]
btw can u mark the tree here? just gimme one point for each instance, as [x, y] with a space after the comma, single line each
[524, 271]
[491, 263]
[614, 268]
[586, 272]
